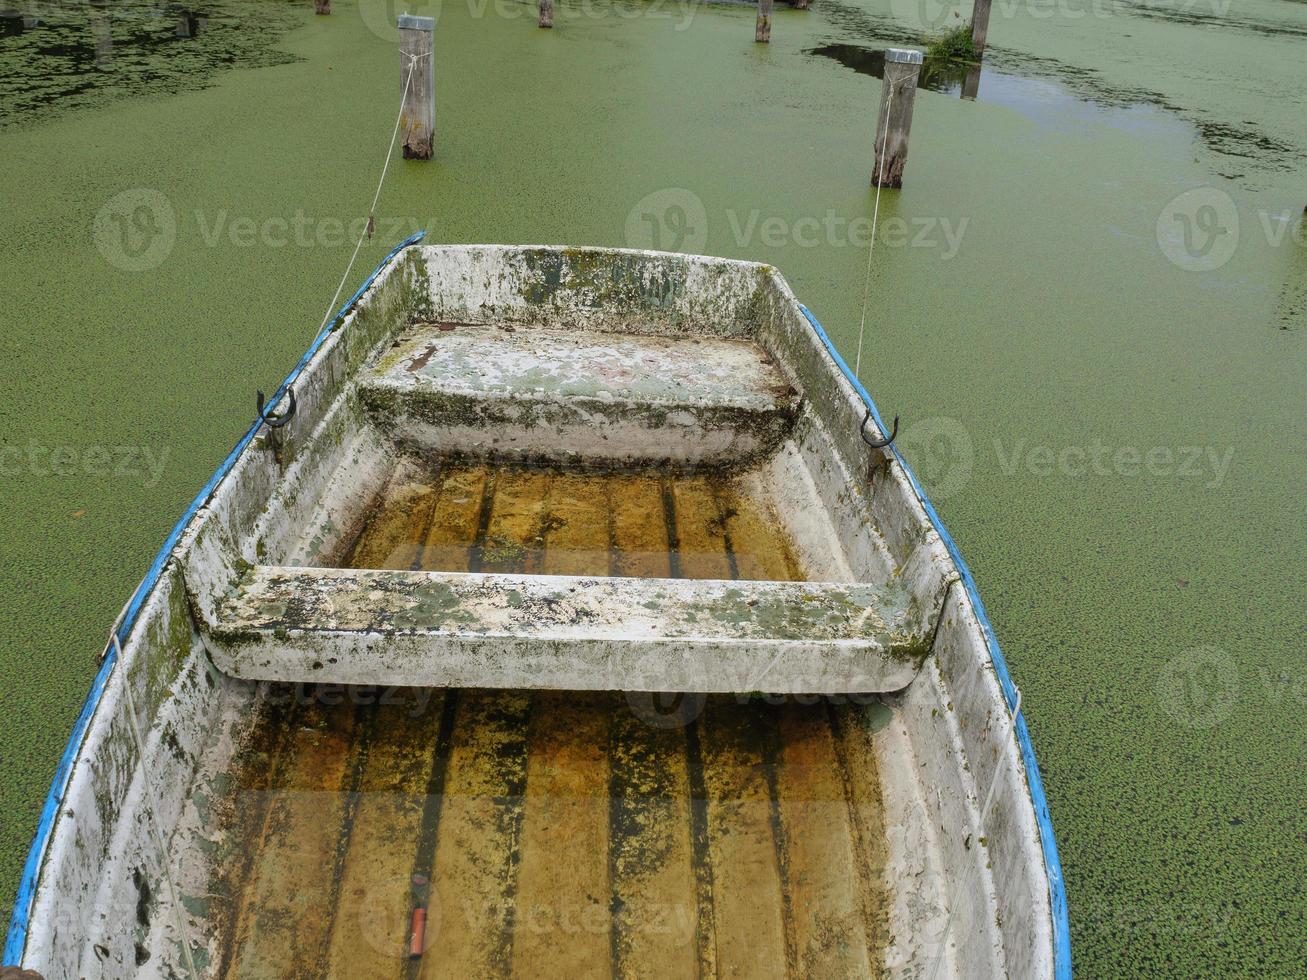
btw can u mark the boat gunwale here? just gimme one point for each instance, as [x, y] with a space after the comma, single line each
[1058, 910]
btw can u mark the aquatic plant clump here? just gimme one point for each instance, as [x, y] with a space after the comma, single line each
[953, 44]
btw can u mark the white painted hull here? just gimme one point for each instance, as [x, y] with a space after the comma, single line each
[969, 896]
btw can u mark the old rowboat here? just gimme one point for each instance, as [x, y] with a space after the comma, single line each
[391, 700]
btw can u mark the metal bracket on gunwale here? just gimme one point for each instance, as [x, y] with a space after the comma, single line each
[277, 421]
[879, 443]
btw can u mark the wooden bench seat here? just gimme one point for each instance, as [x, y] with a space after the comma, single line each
[417, 628]
[569, 395]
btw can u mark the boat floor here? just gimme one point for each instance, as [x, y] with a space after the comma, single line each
[653, 523]
[562, 835]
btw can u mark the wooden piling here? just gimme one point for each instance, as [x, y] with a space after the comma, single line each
[898, 92]
[417, 81]
[762, 32]
[979, 26]
[546, 13]
[322, 6]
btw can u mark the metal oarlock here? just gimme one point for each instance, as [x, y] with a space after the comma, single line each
[879, 443]
[277, 421]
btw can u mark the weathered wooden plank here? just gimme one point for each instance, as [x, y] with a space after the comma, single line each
[281, 930]
[478, 840]
[757, 541]
[700, 531]
[514, 540]
[651, 852]
[454, 520]
[370, 928]
[394, 534]
[749, 919]
[826, 903]
[562, 921]
[860, 776]
[577, 525]
[640, 546]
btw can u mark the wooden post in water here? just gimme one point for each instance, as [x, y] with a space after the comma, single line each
[322, 6]
[979, 26]
[546, 13]
[417, 80]
[898, 92]
[801, 4]
[762, 32]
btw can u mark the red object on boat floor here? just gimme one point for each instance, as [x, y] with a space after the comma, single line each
[418, 934]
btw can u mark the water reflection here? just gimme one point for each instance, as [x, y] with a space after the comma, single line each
[937, 74]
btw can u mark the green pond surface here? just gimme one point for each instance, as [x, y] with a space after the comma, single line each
[1088, 304]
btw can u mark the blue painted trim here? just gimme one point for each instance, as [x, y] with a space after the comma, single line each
[16, 938]
[1052, 863]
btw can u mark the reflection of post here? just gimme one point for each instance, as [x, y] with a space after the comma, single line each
[979, 26]
[762, 30]
[971, 82]
[546, 13]
[417, 79]
[102, 29]
[898, 93]
[322, 6]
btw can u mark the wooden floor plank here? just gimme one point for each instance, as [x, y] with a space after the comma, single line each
[651, 851]
[818, 859]
[393, 536]
[577, 525]
[757, 540]
[478, 841]
[640, 546]
[860, 777]
[370, 929]
[281, 929]
[562, 919]
[749, 919]
[454, 520]
[700, 531]
[514, 540]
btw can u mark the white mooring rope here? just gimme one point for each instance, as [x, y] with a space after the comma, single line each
[875, 217]
[367, 230]
[965, 881]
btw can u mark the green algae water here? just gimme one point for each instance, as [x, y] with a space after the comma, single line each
[1088, 305]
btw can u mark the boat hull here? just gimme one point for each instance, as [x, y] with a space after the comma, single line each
[971, 871]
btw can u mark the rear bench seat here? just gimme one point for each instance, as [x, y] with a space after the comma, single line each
[418, 628]
[569, 395]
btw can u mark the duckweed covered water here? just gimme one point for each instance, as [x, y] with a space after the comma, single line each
[1115, 437]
